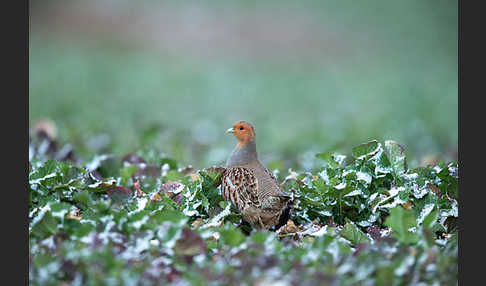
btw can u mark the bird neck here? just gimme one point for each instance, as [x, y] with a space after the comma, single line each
[243, 154]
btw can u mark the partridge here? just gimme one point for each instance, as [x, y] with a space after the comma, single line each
[251, 187]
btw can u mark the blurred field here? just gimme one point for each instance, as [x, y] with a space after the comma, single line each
[318, 76]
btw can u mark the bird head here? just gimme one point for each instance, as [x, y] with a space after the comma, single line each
[244, 133]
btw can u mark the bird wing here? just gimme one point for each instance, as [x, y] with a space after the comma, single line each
[272, 177]
[241, 187]
[280, 192]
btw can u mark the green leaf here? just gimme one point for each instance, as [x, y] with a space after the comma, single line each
[333, 160]
[126, 173]
[401, 220]
[83, 228]
[60, 209]
[169, 215]
[396, 154]
[231, 236]
[48, 175]
[366, 149]
[428, 236]
[384, 276]
[211, 177]
[382, 164]
[259, 237]
[215, 172]
[428, 216]
[45, 226]
[352, 233]
[452, 190]
[50, 166]
[83, 198]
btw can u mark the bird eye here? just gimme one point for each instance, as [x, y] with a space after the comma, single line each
[241, 128]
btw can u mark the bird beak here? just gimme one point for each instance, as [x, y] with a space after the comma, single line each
[231, 130]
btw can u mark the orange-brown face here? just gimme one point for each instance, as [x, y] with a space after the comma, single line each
[243, 131]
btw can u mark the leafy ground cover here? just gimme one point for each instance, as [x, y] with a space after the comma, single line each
[145, 219]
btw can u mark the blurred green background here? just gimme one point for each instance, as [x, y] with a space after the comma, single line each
[312, 76]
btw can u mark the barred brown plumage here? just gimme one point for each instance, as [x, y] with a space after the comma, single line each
[251, 187]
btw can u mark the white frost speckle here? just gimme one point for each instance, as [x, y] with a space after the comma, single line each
[320, 232]
[215, 221]
[341, 186]
[364, 177]
[141, 203]
[413, 229]
[41, 214]
[138, 224]
[420, 192]
[410, 177]
[165, 169]
[96, 162]
[324, 176]
[354, 193]
[425, 212]
[404, 266]
[38, 181]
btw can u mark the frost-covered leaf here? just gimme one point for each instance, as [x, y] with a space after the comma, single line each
[332, 159]
[44, 225]
[213, 174]
[430, 217]
[352, 233]
[366, 149]
[396, 154]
